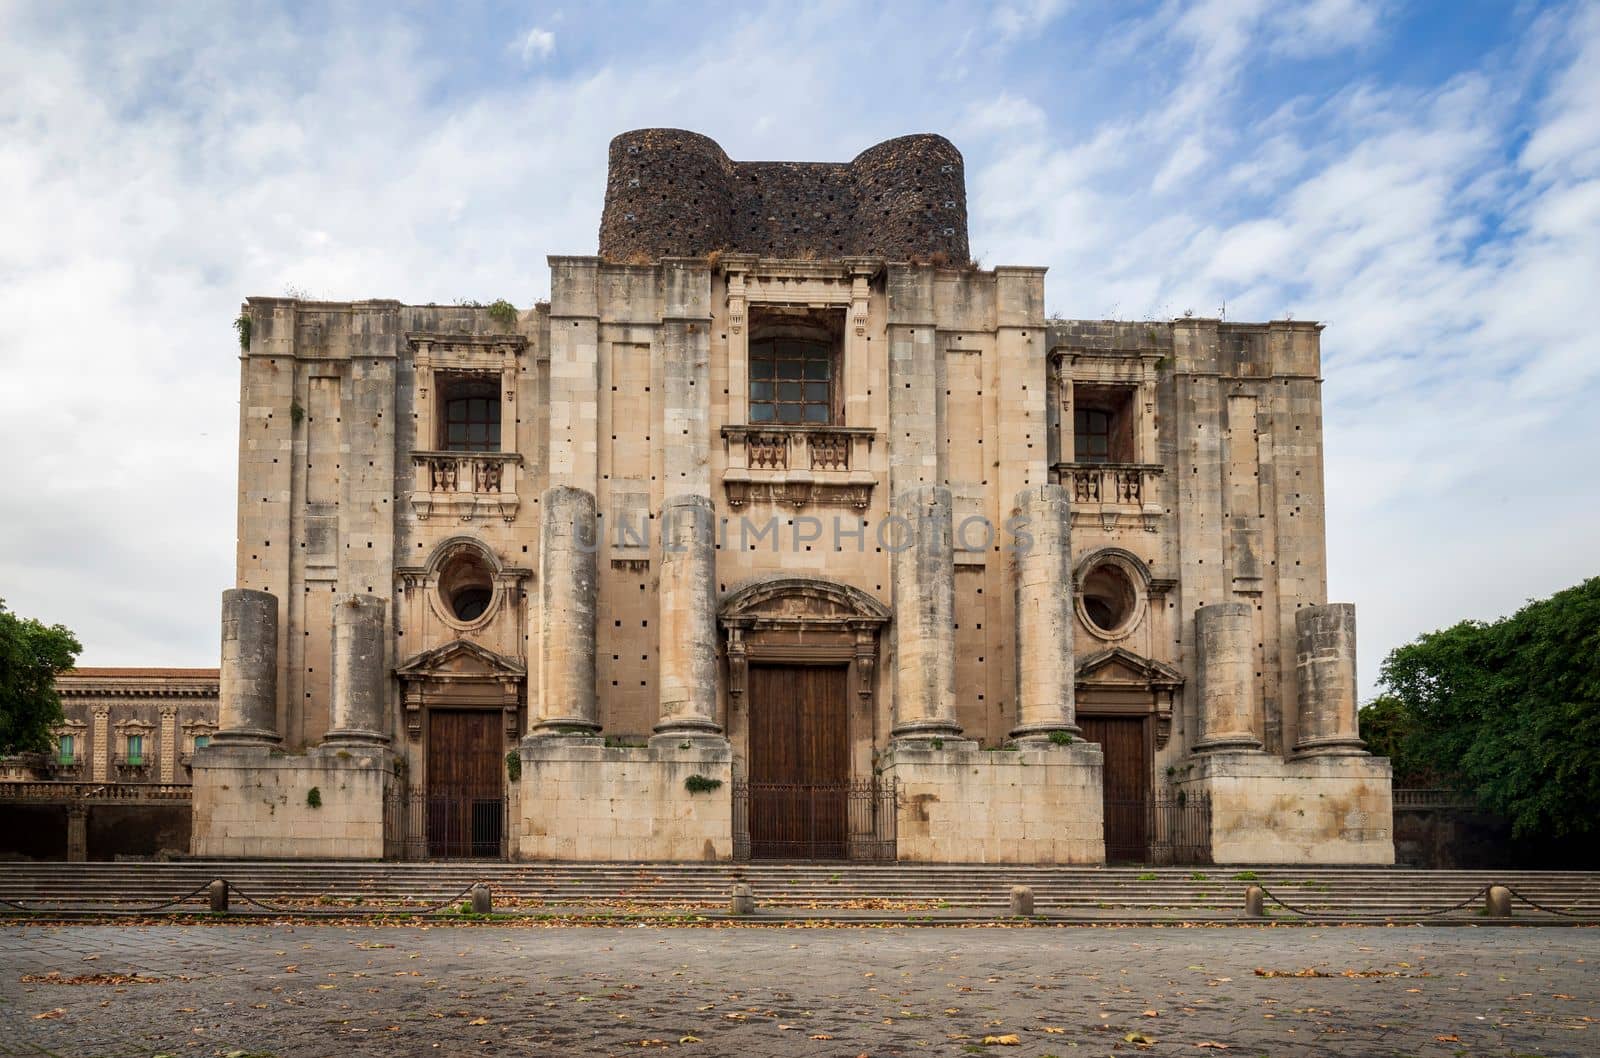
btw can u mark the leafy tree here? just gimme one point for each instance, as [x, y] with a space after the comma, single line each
[1509, 712]
[32, 654]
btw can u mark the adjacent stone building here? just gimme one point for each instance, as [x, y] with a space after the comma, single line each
[782, 530]
[117, 781]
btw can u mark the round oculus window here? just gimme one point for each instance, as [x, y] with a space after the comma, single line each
[1110, 600]
[466, 586]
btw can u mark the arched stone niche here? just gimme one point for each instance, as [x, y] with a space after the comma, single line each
[786, 620]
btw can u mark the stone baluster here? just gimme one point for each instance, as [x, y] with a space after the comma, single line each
[1046, 677]
[360, 682]
[688, 619]
[1325, 670]
[922, 574]
[1225, 638]
[247, 691]
[567, 545]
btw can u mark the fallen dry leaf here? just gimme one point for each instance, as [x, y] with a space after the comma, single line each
[1139, 1038]
[820, 1036]
[1054, 1030]
[1151, 1014]
[1213, 1044]
[50, 1014]
[478, 1021]
[1010, 1039]
[1448, 1039]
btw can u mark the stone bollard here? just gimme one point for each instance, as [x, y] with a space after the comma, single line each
[1497, 902]
[1021, 901]
[217, 891]
[482, 901]
[1255, 903]
[743, 901]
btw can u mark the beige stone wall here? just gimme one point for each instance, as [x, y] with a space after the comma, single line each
[960, 804]
[584, 801]
[1266, 810]
[251, 802]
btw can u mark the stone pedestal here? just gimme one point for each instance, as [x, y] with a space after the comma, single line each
[360, 679]
[1320, 809]
[253, 801]
[922, 573]
[582, 800]
[565, 649]
[247, 693]
[1046, 676]
[688, 619]
[1325, 670]
[960, 804]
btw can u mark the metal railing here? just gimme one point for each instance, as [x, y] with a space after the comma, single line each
[849, 820]
[1163, 829]
[449, 825]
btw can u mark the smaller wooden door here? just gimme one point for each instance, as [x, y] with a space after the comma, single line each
[1126, 783]
[799, 762]
[466, 789]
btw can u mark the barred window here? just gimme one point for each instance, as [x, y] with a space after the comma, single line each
[792, 380]
[471, 416]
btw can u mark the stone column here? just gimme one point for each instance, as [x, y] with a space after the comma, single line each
[167, 754]
[1325, 670]
[77, 833]
[688, 619]
[922, 574]
[1046, 676]
[247, 698]
[360, 684]
[567, 545]
[1225, 638]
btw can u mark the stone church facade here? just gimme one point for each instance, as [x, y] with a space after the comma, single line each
[781, 530]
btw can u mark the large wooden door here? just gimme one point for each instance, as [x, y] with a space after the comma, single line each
[466, 790]
[799, 762]
[1126, 783]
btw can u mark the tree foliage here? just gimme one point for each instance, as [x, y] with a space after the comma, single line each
[1508, 712]
[32, 654]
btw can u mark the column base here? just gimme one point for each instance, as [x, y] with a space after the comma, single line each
[565, 725]
[688, 727]
[356, 737]
[1046, 735]
[246, 736]
[923, 730]
[1333, 746]
[1230, 744]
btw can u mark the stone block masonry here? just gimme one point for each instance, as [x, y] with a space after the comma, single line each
[258, 802]
[583, 800]
[675, 193]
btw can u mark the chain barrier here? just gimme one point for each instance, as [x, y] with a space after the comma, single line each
[118, 910]
[1356, 914]
[279, 910]
[246, 898]
[1551, 910]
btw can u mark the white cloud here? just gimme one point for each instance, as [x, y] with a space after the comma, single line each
[538, 44]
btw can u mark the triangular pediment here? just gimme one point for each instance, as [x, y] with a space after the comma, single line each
[460, 659]
[1119, 667]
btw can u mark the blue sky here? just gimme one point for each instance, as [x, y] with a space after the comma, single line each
[1423, 177]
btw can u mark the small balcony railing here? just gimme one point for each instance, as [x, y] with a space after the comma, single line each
[798, 464]
[465, 483]
[1110, 490]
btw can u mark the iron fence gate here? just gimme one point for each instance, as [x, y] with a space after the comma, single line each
[1160, 830]
[450, 825]
[850, 820]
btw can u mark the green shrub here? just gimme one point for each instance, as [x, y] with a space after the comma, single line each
[698, 783]
[314, 797]
[513, 765]
[1061, 738]
[504, 313]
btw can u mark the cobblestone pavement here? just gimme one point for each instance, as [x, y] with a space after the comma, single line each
[320, 990]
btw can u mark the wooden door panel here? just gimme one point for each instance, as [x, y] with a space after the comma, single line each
[799, 761]
[466, 793]
[1126, 783]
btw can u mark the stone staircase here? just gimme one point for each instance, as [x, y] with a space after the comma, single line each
[938, 891]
